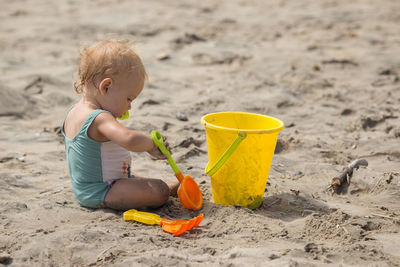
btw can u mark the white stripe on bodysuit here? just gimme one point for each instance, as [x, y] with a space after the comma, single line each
[115, 161]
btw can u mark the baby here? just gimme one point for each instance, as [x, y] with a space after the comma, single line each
[111, 76]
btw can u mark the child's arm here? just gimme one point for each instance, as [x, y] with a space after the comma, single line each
[106, 126]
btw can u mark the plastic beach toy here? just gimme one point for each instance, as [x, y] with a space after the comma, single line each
[240, 150]
[125, 116]
[175, 227]
[188, 192]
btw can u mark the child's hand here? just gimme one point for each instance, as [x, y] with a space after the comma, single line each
[155, 151]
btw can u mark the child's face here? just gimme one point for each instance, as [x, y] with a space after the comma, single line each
[118, 97]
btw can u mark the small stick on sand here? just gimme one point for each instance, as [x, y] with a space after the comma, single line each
[294, 191]
[376, 184]
[343, 180]
[397, 219]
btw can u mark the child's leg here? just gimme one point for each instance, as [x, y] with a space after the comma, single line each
[173, 187]
[133, 193]
[172, 184]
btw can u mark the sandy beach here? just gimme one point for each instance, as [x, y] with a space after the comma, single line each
[330, 70]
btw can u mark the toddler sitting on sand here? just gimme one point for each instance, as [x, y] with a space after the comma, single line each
[111, 76]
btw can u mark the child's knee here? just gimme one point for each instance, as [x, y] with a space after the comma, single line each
[161, 195]
[163, 192]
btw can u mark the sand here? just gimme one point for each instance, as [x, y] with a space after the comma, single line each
[328, 69]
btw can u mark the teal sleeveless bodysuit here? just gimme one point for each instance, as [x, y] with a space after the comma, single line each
[93, 166]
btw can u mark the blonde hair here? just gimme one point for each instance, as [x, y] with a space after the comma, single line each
[107, 59]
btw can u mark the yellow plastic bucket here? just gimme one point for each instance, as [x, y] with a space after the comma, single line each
[240, 150]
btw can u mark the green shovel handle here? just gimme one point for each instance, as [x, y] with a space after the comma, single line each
[221, 161]
[159, 142]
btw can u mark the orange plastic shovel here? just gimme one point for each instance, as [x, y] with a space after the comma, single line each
[188, 192]
[175, 227]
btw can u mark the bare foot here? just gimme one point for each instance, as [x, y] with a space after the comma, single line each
[173, 187]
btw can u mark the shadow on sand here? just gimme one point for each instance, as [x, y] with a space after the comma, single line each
[288, 207]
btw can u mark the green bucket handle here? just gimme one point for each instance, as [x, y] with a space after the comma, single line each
[221, 161]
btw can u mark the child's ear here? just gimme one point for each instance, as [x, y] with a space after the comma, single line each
[105, 85]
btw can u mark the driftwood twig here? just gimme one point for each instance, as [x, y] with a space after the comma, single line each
[343, 180]
[396, 219]
[294, 191]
